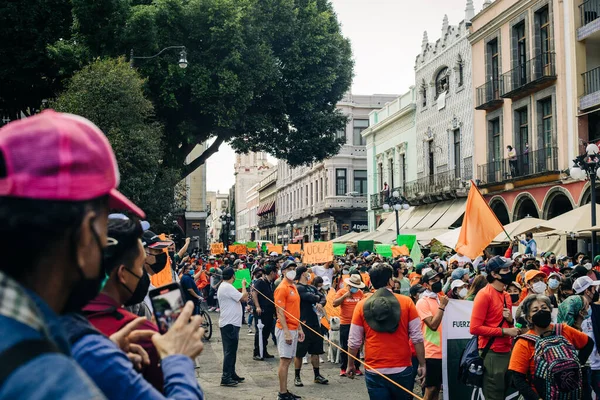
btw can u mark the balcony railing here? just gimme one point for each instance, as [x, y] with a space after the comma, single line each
[589, 11]
[377, 200]
[529, 75]
[591, 81]
[265, 222]
[447, 182]
[526, 164]
[488, 95]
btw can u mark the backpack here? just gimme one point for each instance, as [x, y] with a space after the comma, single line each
[557, 371]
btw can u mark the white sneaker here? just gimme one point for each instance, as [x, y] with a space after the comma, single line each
[321, 360]
[250, 332]
[304, 360]
[217, 310]
[211, 309]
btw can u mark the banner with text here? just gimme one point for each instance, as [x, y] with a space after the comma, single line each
[277, 248]
[317, 252]
[294, 248]
[216, 248]
[238, 249]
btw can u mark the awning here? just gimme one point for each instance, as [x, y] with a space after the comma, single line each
[572, 221]
[435, 214]
[349, 237]
[529, 224]
[417, 216]
[455, 211]
[266, 208]
[448, 239]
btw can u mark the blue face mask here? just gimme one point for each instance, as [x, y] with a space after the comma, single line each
[570, 264]
[191, 272]
[353, 290]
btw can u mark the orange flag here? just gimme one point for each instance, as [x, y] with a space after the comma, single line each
[480, 225]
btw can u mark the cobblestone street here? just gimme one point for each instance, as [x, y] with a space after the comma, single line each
[261, 376]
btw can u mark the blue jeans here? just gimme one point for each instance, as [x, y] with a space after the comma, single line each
[381, 389]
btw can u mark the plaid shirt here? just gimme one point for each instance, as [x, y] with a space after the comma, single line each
[15, 303]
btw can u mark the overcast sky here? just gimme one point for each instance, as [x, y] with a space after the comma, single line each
[386, 37]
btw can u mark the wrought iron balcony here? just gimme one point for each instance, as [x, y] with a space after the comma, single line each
[591, 81]
[488, 95]
[589, 11]
[266, 222]
[438, 186]
[526, 164]
[529, 76]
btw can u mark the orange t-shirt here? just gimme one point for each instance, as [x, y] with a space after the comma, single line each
[348, 305]
[286, 296]
[366, 278]
[428, 307]
[379, 351]
[521, 358]
[416, 278]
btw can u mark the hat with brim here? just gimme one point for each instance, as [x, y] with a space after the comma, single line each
[382, 311]
[354, 281]
[152, 241]
[457, 283]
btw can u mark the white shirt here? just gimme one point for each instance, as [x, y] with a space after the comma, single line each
[147, 298]
[586, 327]
[321, 271]
[229, 302]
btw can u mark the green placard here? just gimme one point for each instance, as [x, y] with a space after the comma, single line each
[384, 250]
[339, 249]
[408, 240]
[251, 245]
[263, 248]
[240, 275]
[415, 253]
[365, 245]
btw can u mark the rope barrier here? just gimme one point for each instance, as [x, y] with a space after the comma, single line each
[339, 348]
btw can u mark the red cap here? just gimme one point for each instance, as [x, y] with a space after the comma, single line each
[56, 156]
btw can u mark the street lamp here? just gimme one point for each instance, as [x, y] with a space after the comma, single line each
[183, 62]
[228, 224]
[397, 202]
[586, 166]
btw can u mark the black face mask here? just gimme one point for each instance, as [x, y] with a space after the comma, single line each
[596, 296]
[506, 278]
[514, 297]
[552, 261]
[87, 288]
[397, 291]
[141, 289]
[160, 264]
[542, 318]
[436, 287]
[172, 255]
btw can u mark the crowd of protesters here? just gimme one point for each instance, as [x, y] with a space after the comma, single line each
[77, 321]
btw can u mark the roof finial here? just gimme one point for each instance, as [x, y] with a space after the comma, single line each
[486, 3]
[445, 25]
[469, 11]
[425, 41]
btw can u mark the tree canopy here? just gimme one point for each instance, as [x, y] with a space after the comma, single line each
[110, 94]
[263, 75]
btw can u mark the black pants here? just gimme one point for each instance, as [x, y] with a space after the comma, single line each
[230, 335]
[268, 322]
[344, 333]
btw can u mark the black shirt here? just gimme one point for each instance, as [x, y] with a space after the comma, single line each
[265, 287]
[309, 296]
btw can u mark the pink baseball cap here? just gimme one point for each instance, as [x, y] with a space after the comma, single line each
[56, 156]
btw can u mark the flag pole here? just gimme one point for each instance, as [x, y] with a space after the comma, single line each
[494, 214]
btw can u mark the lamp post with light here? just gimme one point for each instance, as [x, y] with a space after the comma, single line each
[398, 203]
[227, 223]
[183, 62]
[586, 166]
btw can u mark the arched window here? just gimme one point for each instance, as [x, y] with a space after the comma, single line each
[442, 82]
[460, 66]
[424, 93]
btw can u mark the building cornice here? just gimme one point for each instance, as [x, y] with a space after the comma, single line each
[501, 19]
[391, 119]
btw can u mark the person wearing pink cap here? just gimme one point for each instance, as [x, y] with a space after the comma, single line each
[58, 181]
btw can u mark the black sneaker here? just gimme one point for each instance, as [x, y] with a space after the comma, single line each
[293, 396]
[229, 383]
[284, 396]
[239, 379]
[321, 380]
[269, 356]
[298, 382]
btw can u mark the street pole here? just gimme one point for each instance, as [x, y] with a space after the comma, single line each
[397, 223]
[593, 188]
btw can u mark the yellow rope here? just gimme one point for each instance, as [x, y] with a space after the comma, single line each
[333, 344]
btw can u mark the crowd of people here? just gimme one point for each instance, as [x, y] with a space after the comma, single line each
[77, 320]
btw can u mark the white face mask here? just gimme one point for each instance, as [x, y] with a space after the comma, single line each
[539, 287]
[463, 293]
[290, 275]
[326, 287]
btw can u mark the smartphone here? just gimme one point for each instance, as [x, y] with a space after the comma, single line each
[167, 302]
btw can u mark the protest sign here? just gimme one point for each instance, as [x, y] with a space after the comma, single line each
[251, 245]
[238, 249]
[216, 248]
[294, 248]
[240, 275]
[339, 249]
[365, 245]
[400, 251]
[406, 240]
[277, 248]
[317, 252]
[384, 250]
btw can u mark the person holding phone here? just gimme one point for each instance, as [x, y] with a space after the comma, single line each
[230, 322]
